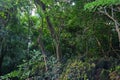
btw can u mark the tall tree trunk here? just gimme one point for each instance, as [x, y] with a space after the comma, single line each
[55, 38]
[52, 30]
[2, 54]
[1, 61]
[41, 45]
[58, 51]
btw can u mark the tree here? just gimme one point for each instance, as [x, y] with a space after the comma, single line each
[110, 8]
[11, 34]
[59, 39]
[53, 33]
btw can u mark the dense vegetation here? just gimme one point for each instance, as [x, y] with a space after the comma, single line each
[60, 39]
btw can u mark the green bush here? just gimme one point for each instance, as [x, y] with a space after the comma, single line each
[77, 70]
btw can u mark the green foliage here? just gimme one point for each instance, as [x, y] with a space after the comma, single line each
[77, 70]
[35, 68]
[89, 36]
[115, 73]
[28, 67]
[9, 75]
[100, 3]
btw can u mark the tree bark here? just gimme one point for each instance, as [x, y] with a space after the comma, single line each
[41, 45]
[1, 61]
[114, 20]
[51, 29]
[2, 54]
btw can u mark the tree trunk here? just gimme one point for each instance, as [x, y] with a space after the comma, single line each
[1, 61]
[58, 51]
[2, 54]
[55, 37]
[41, 45]
[51, 29]
[112, 17]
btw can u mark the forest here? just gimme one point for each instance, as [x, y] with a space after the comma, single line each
[59, 39]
